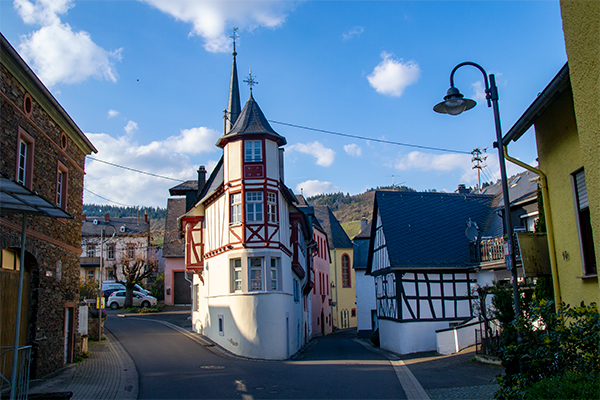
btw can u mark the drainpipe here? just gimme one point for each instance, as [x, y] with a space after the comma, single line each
[549, 226]
[337, 306]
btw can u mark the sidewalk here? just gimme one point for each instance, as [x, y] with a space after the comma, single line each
[107, 373]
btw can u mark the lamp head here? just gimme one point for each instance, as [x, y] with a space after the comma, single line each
[454, 103]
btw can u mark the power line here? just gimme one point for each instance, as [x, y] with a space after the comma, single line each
[135, 170]
[371, 139]
[104, 198]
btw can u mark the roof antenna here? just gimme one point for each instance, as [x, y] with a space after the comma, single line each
[250, 81]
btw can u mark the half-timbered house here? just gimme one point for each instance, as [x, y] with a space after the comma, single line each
[248, 244]
[419, 258]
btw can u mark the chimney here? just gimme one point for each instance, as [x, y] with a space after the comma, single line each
[107, 217]
[462, 189]
[146, 216]
[201, 178]
[363, 224]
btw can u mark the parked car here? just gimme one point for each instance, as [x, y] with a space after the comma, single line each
[108, 292]
[107, 285]
[117, 300]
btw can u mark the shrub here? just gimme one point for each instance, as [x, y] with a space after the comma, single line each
[158, 287]
[88, 289]
[566, 386]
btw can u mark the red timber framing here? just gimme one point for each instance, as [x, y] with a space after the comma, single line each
[194, 244]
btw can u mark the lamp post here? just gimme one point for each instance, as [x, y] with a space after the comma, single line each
[454, 104]
[100, 296]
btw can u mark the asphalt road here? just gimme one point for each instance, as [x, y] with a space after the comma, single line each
[174, 366]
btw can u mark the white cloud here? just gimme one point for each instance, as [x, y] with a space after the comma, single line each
[131, 127]
[390, 77]
[170, 158]
[434, 162]
[323, 155]
[211, 18]
[478, 91]
[313, 187]
[56, 52]
[112, 113]
[353, 150]
[355, 31]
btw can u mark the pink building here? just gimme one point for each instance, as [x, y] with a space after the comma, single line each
[321, 294]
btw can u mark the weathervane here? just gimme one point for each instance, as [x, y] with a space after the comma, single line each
[250, 80]
[234, 36]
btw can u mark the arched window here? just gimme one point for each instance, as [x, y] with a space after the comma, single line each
[346, 271]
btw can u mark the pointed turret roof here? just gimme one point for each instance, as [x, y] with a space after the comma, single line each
[234, 104]
[251, 121]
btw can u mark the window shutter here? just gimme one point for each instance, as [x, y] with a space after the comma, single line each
[582, 197]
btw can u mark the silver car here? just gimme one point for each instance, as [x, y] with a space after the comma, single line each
[117, 300]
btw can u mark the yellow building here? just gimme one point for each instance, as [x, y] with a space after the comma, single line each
[343, 284]
[567, 129]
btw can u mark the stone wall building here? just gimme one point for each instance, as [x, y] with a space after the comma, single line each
[44, 151]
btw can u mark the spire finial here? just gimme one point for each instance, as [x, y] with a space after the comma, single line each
[250, 80]
[234, 36]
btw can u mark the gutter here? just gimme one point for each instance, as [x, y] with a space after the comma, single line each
[549, 226]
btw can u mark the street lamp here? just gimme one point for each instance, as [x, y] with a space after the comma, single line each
[100, 296]
[454, 104]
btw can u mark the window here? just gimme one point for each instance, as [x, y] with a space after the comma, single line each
[236, 208]
[255, 268]
[91, 250]
[195, 305]
[274, 274]
[131, 251]
[253, 151]
[61, 186]
[586, 238]
[346, 271]
[91, 275]
[296, 291]
[272, 207]
[24, 173]
[254, 207]
[110, 251]
[236, 269]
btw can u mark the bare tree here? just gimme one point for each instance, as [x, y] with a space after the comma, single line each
[134, 271]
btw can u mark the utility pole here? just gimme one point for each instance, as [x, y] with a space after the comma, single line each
[479, 160]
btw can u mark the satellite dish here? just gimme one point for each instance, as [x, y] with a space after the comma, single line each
[95, 222]
[122, 229]
[471, 232]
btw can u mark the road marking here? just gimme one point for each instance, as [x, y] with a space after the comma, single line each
[411, 386]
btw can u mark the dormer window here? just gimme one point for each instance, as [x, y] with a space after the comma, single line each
[253, 151]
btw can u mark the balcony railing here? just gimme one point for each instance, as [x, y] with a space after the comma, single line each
[23, 364]
[491, 249]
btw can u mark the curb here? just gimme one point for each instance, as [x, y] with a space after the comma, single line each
[129, 380]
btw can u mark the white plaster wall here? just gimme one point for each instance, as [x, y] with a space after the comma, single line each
[365, 300]
[232, 158]
[454, 340]
[409, 337]
[272, 159]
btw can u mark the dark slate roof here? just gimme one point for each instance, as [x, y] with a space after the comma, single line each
[365, 233]
[427, 230]
[182, 188]
[361, 253]
[336, 236]
[521, 187]
[301, 201]
[251, 121]
[133, 226]
[174, 243]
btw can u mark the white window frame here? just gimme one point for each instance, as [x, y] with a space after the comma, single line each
[274, 273]
[255, 274]
[236, 208]
[90, 249]
[236, 274]
[253, 151]
[272, 207]
[254, 207]
[131, 251]
[110, 251]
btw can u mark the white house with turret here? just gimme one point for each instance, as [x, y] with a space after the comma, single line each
[248, 247]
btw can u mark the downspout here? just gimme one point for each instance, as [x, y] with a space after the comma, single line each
[549, 226]
[337, 307]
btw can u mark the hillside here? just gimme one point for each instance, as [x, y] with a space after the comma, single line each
[349, 210]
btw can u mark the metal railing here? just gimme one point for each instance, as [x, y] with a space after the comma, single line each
[24, 363]
[486, 344]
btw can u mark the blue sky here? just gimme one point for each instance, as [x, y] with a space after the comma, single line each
[147, 81]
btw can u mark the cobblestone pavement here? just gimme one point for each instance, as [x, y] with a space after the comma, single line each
[481, 392]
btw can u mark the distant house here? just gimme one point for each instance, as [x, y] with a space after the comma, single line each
[419, 258]
[366, 306]
[125, 238]
[341, 253]
[43, 154]
[321, 295]
[573, 199]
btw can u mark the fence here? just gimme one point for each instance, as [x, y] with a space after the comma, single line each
[487, 343]
[23, 364]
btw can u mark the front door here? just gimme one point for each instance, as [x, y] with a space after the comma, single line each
[181, 289]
